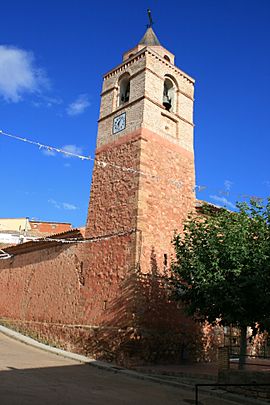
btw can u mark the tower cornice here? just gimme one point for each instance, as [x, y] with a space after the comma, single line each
[142, 53]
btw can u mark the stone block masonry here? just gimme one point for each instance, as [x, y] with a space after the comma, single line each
[88, 299]
[162, 204]
[64, 283]
[155, 207]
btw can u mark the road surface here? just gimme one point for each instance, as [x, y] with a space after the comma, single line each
[30, 376]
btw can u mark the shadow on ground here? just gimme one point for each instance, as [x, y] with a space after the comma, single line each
[81, 384]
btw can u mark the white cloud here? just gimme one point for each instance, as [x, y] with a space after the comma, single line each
[228, 185]
[45, 101]
[79, 105]
[18, 74]
[223, 201]
[54, 203]
[76, 150]
[62, 205]
[68, 206]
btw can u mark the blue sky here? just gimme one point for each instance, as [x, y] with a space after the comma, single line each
[52, 57]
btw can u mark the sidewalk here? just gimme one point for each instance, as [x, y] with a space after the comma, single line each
[202, 371]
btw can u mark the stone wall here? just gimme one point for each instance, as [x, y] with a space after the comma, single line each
[87, 298]
[114, 192]
[164, 202]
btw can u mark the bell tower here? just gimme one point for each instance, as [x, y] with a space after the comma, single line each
[143, 177]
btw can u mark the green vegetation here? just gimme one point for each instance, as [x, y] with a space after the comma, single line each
[222, 267]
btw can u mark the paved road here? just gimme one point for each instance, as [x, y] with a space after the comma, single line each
[34, 377]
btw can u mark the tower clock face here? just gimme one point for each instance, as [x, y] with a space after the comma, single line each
[119, 123]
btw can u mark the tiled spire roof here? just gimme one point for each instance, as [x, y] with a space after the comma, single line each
[149, 38]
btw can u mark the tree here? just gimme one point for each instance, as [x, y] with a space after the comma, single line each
[222, 267]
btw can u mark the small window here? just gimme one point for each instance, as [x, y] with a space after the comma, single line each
[131, 55]
[165, 261]
[168, 94]
[167, 58]
[124, 89]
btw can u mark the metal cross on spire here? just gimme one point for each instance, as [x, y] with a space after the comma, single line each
[150, 18]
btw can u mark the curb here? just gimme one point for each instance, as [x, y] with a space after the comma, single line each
[119, 370]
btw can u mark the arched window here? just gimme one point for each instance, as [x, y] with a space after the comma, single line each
[169, 95]
[124, 89]
[167, 58]
[131, 55]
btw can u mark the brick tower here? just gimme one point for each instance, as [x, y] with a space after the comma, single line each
[143, 177]
[143, 184]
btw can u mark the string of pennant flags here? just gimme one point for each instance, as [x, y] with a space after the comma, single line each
[221, 197]
[103, 164]
[100, 163]
[86, 240]
[5, 255]
[45, 147]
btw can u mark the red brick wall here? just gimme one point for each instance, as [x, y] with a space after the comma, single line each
[47, 227]
[155, 206]
[120, 314]
[66, 284]
[41, 285]
[114, 192]
[163, 205]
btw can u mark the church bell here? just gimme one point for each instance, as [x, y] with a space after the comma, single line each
[167, 102]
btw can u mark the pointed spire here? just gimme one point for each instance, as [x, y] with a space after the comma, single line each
[149, 38]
